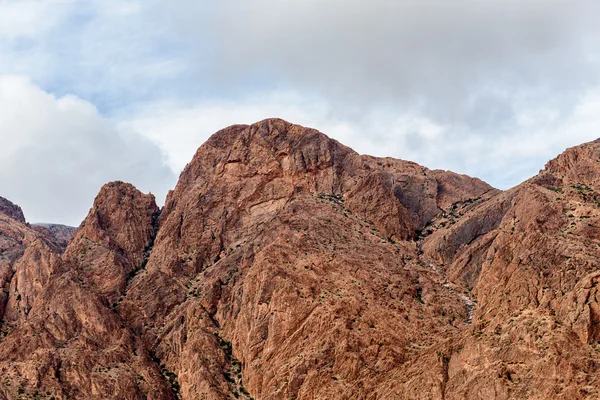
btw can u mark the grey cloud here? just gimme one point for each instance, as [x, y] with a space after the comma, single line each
[455, 60]
[473, 67]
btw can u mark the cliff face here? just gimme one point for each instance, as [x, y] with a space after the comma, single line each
[62, 234]
[61, 336]
[11, 210]
[286, 266]
[534, 251]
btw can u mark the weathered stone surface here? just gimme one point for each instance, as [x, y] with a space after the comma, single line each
[62, 234]
[11, 210]
[286, 266]
[535, 332]
[279, 234]
[60, 336]
[115, 239]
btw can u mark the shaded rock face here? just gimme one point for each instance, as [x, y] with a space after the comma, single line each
[11, 210]
[276, 234]
[62, 234]
[286, 266]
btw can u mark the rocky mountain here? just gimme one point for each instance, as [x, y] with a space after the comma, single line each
[11, 210]
[286, 266]
[61, 233]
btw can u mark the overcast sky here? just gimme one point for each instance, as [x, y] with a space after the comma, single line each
[93, 91]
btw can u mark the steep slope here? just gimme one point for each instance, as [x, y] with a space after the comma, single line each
[15, 238]
[113, 241]
[62, 234]
[286, 266]
[60, 336]
[536, 330]
[294, 248]
[11, 210]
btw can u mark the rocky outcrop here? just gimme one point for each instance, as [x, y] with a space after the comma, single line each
[61, 234]
[535, 330]
[60, 336]
[276, 233]
[286, 266]
[16, 240]
[11, 210]
[114, 241]
[374, 200]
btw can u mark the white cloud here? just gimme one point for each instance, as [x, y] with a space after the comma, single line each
[179, 130]
[27, 18]
[57, 152]
[108, 52]
[503, 160]
[488, 88]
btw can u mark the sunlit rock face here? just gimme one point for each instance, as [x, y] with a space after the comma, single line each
[286, 266]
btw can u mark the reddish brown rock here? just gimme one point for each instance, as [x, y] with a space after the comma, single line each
[11, 210]
[15, 239]
[535, 330]
[60, 336]
[61, 234]
[115, 239]
[280, 235]
[286, 266]
[374, 200]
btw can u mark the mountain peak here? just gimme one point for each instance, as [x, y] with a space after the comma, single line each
[124, 214]
[286, 265]
[579, 164]
[274, 134]
[11, 210]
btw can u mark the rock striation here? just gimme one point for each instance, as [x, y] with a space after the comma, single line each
[284, 265]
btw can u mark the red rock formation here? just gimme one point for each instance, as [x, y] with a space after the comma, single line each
[280, 237]
[535, 331]
[286, 266]
[60, 336]
[114, 240]
[11, 210]
[61, 234]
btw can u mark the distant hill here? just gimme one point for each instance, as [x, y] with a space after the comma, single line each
[62, 233]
